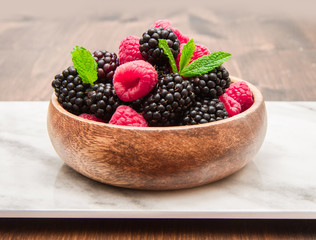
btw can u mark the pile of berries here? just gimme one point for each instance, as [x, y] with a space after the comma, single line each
[159, 79]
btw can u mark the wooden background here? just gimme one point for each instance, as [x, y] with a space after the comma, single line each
[273, 44]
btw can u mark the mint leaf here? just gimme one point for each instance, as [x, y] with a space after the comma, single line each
[186, 55]
[164, 45]
[205, 64]
[85, 64]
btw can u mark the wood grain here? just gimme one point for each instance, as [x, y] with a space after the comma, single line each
[275, 52]
[273, 45]
[135, 229]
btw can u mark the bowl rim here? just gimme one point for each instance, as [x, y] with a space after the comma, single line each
[257, 95]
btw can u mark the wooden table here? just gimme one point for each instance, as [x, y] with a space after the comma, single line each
[273, 46]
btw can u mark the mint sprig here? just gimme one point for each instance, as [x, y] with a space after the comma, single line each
[85, 64]
[205, 64]
[200, 66]
[186, 55]
[164, 45]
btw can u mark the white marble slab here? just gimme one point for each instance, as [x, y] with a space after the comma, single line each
[279, 183]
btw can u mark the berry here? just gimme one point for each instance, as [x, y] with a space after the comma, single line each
[134, 80]
[163, 70]
[211, 85]
[149, 45]
[70, 91]
[137, 105]
[129, 50]
[204, 111]
[166, 24]
[231, 105]
[199, 51]
[168, 100]
[107, 63]
[91, 117]
[182, 38]
[241, 93]
[127, 116]
[102, 100]
[161, 23]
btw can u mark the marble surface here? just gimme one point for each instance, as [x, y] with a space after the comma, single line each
[279, 183]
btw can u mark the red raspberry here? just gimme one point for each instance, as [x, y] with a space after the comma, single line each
[161, 23]
[134, 80]
[241, 93]
[127, 116]
[167, 24]
[90, 117]
[199, 51]
[182, 38]
[231, 105]
[129, 50]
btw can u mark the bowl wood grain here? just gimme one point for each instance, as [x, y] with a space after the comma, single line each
[158, 158]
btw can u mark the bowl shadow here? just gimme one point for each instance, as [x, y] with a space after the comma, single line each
[73, 190]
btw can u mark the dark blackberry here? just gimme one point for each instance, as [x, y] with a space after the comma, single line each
[137, 105]
[149, 45]
[211, 85]
[70, 91]
[107, 63]
[162, 70]
[204, 111]
[102, 100]
[170, 98]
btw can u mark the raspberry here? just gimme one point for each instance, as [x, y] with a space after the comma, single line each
[129, 50]
[167, 24]
[134, 80]
[231, 105]
[241, 93]
[199, 51]
[161, 23]
[182, 38]
[127, 116]
[90, 117]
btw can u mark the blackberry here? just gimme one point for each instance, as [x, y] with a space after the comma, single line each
[149, 45]
[102, 100]
[170, 98]
[137, 105]
[211, 85]
[107, 63]
[204, 111]
[70, 91]
[162, 70]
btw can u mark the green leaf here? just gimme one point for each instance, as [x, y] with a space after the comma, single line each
[186, 55]
[205, 64]
[164, 45]
[85, 64]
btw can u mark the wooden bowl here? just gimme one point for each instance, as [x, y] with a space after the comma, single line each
[158, 158]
